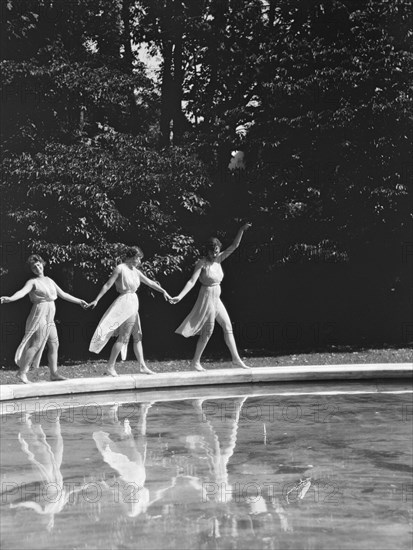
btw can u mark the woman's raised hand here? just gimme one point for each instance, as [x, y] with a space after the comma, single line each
[5, 300]
[246, 226]
[175, 300]
[92, 305]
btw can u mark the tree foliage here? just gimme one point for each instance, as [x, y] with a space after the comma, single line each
[82, 171]
[315, 93]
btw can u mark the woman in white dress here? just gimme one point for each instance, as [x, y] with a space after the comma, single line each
[40, 326]
[126, 454]
[209, 307]
[122, 318]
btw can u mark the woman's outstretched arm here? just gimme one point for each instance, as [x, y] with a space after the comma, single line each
[235, 244]
[190, 284]
[109, 283]
[69, 298]
[154, 285]
[19, 294]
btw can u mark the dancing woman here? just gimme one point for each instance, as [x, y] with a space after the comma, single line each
[122, 318]
[40, 326]
[209, 306]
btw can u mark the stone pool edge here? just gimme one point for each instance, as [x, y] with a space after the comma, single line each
[9, 392]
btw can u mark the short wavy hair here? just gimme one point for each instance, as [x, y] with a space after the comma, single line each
[132, 252]
[209, 245]
[33, 259]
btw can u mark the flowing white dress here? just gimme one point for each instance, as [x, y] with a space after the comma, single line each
[128, 459]
[40, 320]
[122, 317]
[208, 302]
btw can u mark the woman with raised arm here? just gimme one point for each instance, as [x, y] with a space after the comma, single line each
[209, 306]
[122, 318]
[40, 326]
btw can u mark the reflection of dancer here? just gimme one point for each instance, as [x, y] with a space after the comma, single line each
[215, 446]
[40, 325]
[45, 453]
[127, 456]
[282, 514]
[122, 318]
[209, 306]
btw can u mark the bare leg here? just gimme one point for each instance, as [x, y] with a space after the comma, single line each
[112, 414]
[197, 405]
[225, 322]
[110, 366]
[22, 376]
[144, 408]
[26, 362]
[52, 349]
[123, 338]
[24, 369]
[138, 349]
[203, 339]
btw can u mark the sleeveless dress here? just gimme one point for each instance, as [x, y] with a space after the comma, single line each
[126, 457]
[208, 301]
[40, 320]
[122, 315]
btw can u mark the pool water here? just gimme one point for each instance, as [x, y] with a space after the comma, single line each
[278, 470]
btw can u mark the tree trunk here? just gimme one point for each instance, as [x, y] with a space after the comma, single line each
[128, 56]
[178, 116]
[166, 92]
[271, 13]
[128, 63]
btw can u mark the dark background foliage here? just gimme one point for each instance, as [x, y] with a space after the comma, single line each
[97, 155]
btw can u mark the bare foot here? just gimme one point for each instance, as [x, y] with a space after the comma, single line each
[55, 377]
[197, 405]
[113, 413]
[127, 431]
[144, 370]
[198, 367]
[111, 372]
[145, 407]
[240, 364]
[25, 418]
[22, 376]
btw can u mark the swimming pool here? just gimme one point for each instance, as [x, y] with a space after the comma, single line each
[311, 466]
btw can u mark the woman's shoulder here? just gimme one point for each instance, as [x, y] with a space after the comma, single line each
[201, 262]
[32, 282]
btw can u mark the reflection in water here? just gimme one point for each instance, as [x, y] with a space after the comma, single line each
[174, 475]
[45, 453]
[212, 446]
[127, 456]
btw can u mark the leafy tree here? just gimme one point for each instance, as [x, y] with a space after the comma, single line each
[82, 171]
[81, 203]
[317, 96]
[328, 149]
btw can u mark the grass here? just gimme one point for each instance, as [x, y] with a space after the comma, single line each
[261, 358]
